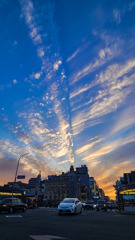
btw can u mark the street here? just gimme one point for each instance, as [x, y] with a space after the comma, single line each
[45, 224]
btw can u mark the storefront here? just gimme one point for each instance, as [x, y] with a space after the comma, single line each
[7, 193]
[126, 198]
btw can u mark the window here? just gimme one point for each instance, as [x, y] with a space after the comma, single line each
[68, 201]
[6, 201]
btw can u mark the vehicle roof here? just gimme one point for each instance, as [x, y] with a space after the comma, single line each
[70, 198]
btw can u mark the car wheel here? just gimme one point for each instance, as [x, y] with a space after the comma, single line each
[59, 213]
[11, 210]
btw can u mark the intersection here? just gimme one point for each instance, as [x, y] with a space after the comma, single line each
[45, 224]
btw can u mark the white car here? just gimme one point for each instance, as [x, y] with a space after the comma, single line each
[70, 205]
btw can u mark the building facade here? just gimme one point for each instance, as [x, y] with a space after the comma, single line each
[66, 185]
[94, 187]
[125, 192]
[74, 183]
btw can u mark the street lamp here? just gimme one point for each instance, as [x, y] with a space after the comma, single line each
[17, 169]
[18, 165]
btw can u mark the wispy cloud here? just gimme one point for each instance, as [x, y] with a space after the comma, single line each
[108, 161]
[117, 15]
[73, 55]
[50, 61]
[125, 121]
[104, 56]
[87, 147]
[29, 13]
[82, 89]
[131, 5]
[115, 84]
[104, 52]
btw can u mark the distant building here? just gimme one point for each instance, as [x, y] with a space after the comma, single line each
[82, 174]
[17, 185]
[107, 198]
[35, 189]
[34, 183]
[94, 187]
[101, 193]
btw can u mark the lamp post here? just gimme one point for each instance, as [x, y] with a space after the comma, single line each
[17, 170]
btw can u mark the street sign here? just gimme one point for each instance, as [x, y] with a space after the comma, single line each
[21, 177]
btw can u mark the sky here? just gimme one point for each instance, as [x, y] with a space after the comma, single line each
[67, 88]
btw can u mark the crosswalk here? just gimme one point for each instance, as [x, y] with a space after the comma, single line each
[13, 216]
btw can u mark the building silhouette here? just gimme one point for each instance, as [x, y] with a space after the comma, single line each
[74, 183]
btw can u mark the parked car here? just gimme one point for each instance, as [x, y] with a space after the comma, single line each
[70, 205]
[109, 205]
[101, 205]
[89, 205]
[83, 204]
[12, 205]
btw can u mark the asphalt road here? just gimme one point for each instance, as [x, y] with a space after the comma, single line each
[43, 222]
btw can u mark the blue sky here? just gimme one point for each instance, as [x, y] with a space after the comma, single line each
[67, 88]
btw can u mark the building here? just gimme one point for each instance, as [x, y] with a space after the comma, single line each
[107, 198]
[34, 183]
[35, 189]
[82, 174]
[101, 193]
[125, 192]
[66, 185]
[8, 192]
[74, 183]
[94, 187]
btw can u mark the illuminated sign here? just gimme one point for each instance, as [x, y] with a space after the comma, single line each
[10, 194]
[128, 191]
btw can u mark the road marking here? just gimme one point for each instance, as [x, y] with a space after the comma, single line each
[13, 216]
[45, 237]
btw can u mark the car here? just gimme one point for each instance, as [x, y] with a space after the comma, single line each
[109, 205]
[70, 205]
[89, 205]
[12, 205]
[83, 204]
[101, 205]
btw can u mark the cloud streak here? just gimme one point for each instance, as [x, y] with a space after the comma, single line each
[115, 84]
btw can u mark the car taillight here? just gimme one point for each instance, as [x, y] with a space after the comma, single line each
[4, 205]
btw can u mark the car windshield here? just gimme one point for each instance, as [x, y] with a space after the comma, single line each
[6, 201]
[68, 201]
